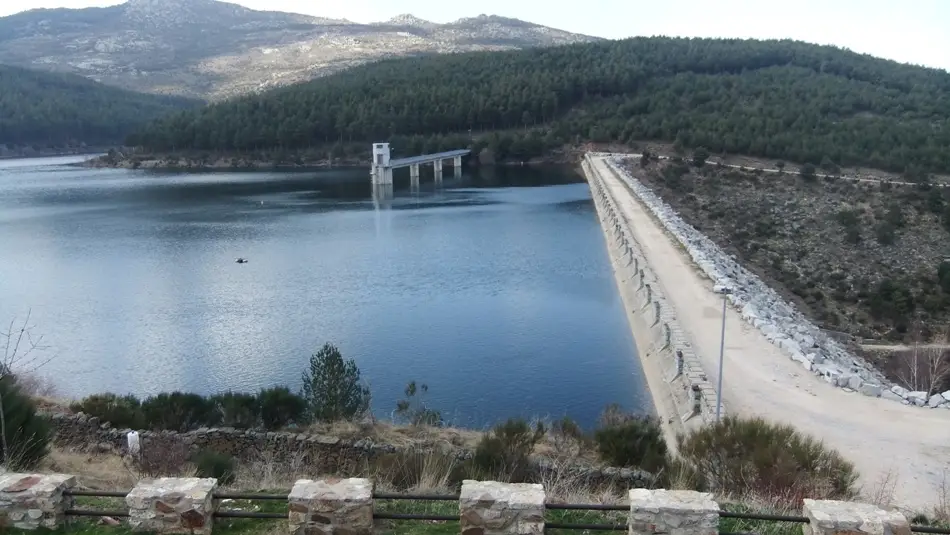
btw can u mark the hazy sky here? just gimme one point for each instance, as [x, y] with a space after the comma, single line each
[911, 31]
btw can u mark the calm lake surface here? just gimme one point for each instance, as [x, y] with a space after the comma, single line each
[494, 289]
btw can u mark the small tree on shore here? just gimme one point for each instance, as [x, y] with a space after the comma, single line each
[24, 435]
[332, 387]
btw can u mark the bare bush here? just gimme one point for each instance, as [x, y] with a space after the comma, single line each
[925, 368]
[35, 385]
[881, 493]
[161, 460]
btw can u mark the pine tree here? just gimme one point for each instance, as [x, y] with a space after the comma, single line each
[332, 387]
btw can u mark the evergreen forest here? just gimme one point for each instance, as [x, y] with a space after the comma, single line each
[53, 110]
[779, 99]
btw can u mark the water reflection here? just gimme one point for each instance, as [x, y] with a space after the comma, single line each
[383, 195]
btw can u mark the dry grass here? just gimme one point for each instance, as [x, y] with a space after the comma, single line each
[265, 473]
[401, 436]
[97, 471]
[941, 512]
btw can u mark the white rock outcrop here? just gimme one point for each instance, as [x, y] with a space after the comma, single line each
[777, 319]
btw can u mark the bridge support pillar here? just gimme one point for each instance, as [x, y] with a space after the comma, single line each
[437, 170]
[457, 166]
[414, 172]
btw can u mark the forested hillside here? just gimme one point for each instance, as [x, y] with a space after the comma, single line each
[778, 99]
[47, 110]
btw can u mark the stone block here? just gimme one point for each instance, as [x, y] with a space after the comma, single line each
[870, 390]
[673, 512]
[887, 394]
[33, 501]
[493, 508]
[854, 382]
[331, 506]
[917, 397]
[900, 391]
[935, 401]
[832, 517]
[172, 505]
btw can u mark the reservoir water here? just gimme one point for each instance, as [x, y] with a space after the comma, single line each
[494, 289]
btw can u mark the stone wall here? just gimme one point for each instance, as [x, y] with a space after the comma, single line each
[322, 454]
[657, 332]
[760, 306]
[337, 506]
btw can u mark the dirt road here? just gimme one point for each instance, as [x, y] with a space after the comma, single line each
[879, 436]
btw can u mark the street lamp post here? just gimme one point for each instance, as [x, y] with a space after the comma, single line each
[724, 291]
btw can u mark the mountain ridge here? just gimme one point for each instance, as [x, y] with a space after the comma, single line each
[214, 50]
[57, 110]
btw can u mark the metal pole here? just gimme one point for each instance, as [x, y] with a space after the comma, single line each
[722, 346]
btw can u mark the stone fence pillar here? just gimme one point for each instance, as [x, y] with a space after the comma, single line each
[673, 512]
[172, 505]
[32, 501]
[492, 508]
[831, 517]
[331, 506]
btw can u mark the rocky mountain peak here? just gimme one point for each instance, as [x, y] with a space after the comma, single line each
[211, 50]
[164, 13]
[408, 19]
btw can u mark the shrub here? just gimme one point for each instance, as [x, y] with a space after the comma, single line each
[26, 435]
[280, 407]
[751, 456]
[332, 387]
[161, 459]
[235, 409]
[808, 172]
[414, 410]
[120, 411]
[885, 233]
[210, 463]
[568, 430]
[503, 452]
[178, 411]
[700, 156]
[638, 442]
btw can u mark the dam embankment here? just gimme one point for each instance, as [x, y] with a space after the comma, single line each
[763, 375]
[683, 396]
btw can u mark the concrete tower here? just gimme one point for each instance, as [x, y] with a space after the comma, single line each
[382, 173]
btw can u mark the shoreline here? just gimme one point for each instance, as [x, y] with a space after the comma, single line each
[185, 161]
[883, 439]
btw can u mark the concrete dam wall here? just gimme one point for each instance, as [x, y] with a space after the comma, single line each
[682, 393]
